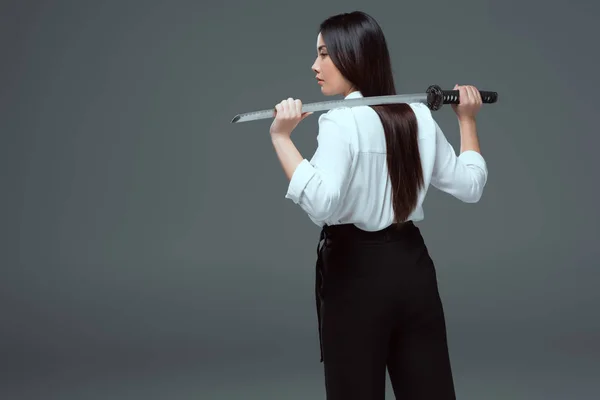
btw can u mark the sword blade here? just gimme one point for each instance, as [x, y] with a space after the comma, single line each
[329, 105]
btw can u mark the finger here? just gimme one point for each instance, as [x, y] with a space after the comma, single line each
[278, 110]
[473, 94]
[298, 105]
[291, 107]
[464, 95]
[477, 95]
[284, 108]
[469, 90]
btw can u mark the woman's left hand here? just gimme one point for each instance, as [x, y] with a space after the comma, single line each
[288, 115]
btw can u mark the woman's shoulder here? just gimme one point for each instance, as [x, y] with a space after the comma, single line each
[340, 120]
[337, 114]
[361, 118]
[342, 114]
[421, 110]
[425, 119]
[343, 117]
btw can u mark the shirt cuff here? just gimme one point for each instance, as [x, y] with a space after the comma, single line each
[300, 178]
[471, 157]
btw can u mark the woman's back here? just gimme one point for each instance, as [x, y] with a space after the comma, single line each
[350, 183]
[378, 307]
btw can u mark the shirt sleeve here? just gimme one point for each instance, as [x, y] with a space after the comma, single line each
[319, 185]
[463, 177]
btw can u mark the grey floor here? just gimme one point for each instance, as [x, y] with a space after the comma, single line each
[550, 376]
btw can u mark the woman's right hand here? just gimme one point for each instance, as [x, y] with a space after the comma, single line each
[470, 102]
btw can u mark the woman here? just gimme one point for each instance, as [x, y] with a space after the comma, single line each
[378, 304]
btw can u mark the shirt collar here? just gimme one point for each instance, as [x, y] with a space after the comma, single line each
[354, 95]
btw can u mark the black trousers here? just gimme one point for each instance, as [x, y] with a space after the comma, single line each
[378, 307]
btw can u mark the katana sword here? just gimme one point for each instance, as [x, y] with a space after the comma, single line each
[434, 98]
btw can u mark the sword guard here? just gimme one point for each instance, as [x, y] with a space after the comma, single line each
[435, 97]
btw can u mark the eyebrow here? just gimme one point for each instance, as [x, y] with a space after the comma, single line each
[320, 47]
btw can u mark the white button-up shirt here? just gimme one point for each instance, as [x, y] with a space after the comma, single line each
[347, 182]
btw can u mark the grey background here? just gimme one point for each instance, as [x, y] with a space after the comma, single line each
[147, 248]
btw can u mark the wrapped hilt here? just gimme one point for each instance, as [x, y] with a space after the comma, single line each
[436, 97]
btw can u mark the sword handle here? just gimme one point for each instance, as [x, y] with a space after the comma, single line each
[436, 97]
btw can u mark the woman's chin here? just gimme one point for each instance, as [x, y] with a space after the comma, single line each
[325, 92]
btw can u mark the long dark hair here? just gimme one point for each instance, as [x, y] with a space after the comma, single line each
[357, 47]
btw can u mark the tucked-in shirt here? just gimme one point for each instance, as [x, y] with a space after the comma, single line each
[347, 182]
